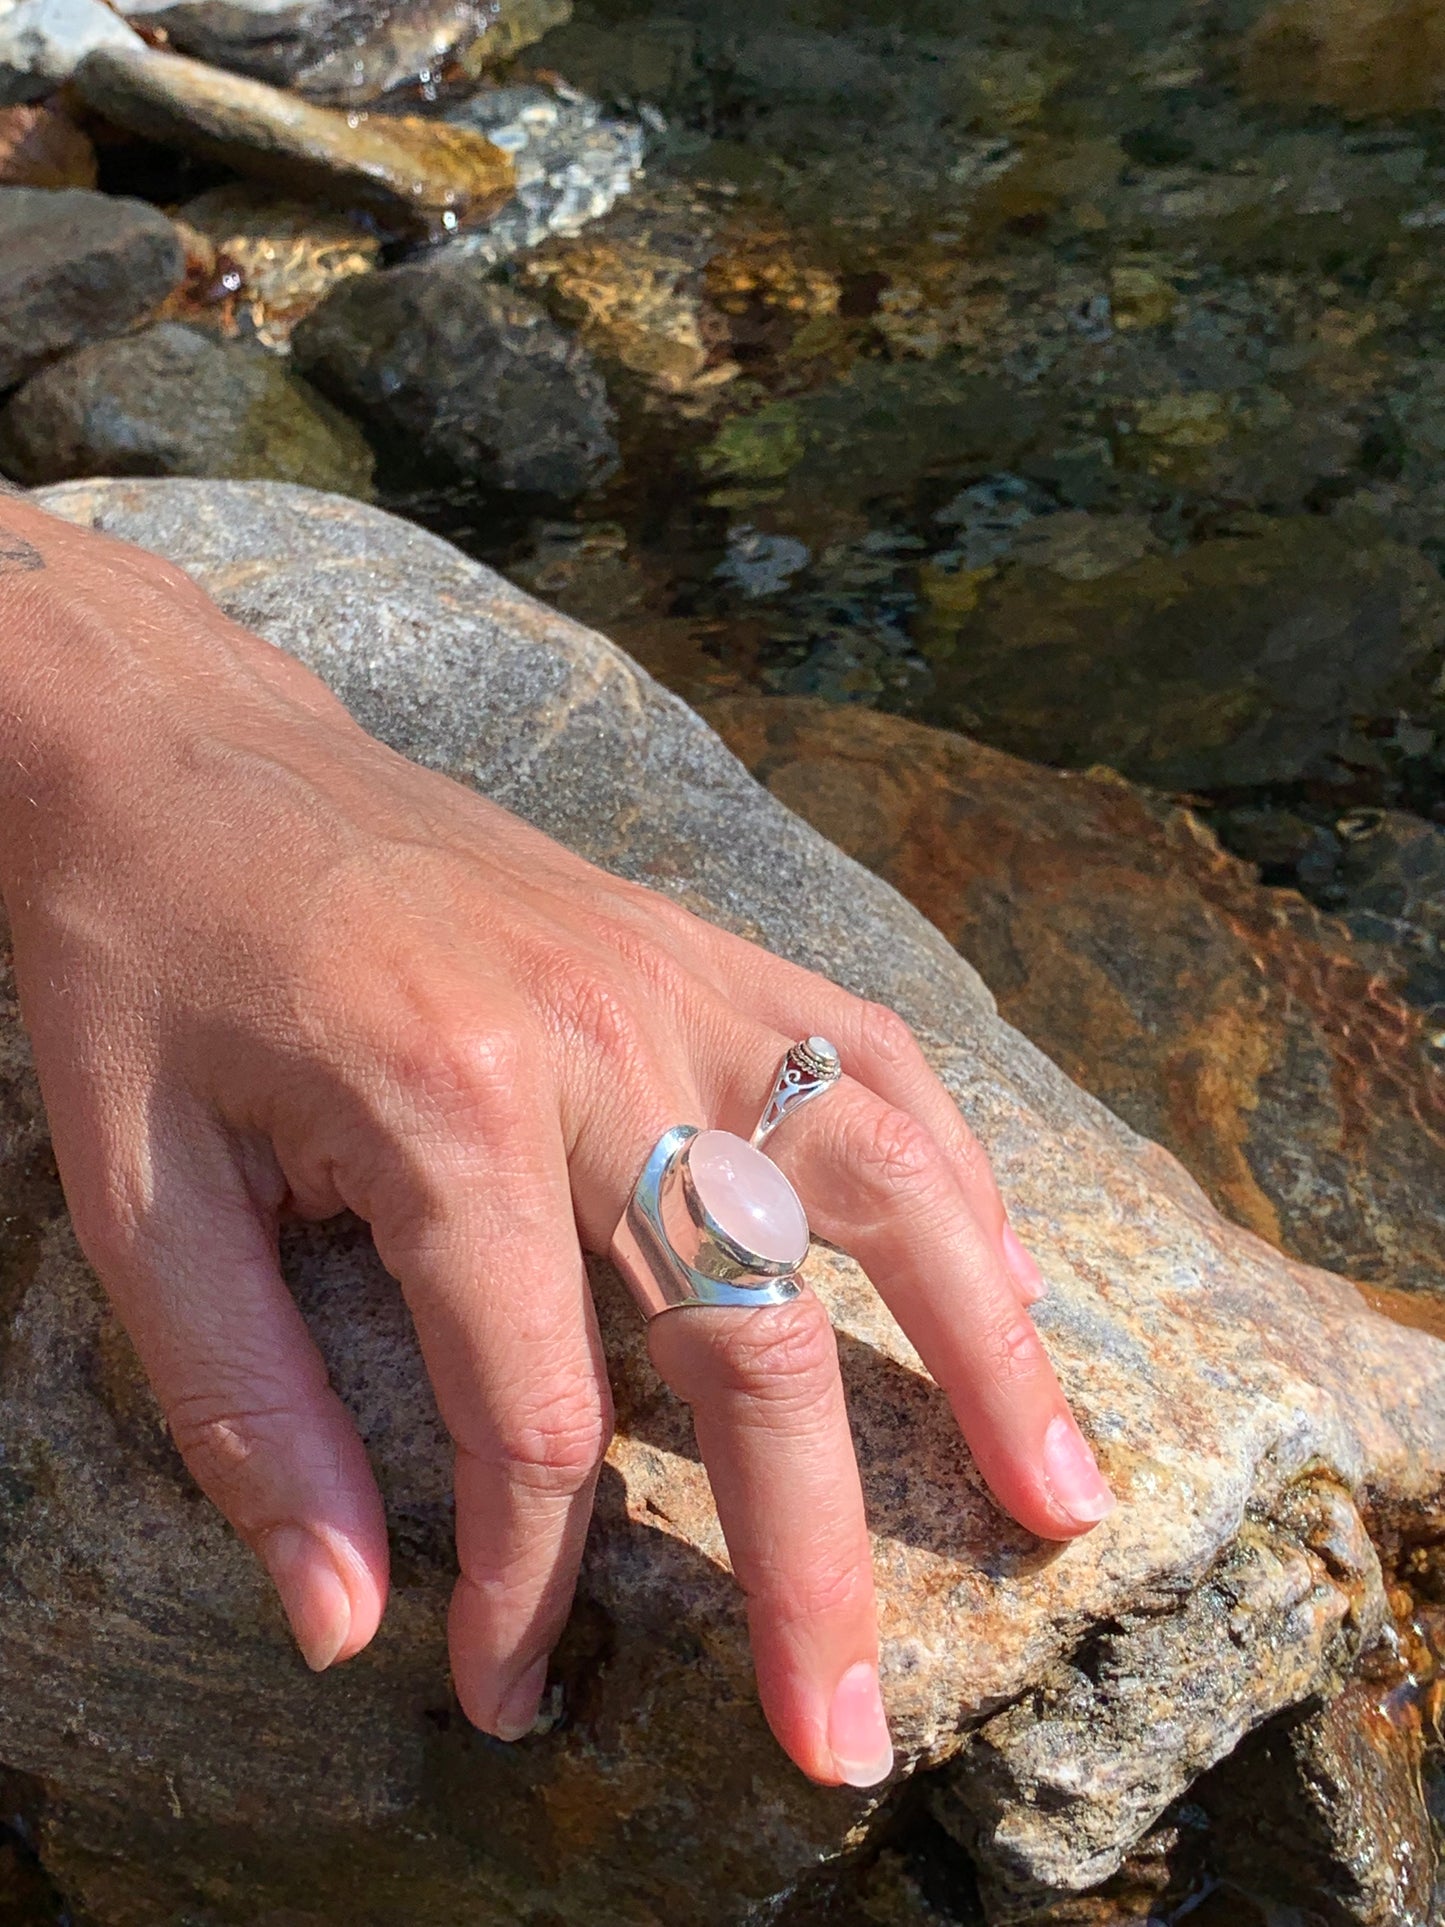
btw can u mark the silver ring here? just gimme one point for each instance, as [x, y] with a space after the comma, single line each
[712, 1220]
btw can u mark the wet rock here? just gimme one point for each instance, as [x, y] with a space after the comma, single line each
[42, 42]
[1248, 660]
[1232, 1023]
[460, 379]
[416, 175]
[42, 147]
[75, 267]
[171, 401]
[1322, 1811]
[636, 292]
[1232, 1395]
[286, 256]
[1361, 57]
[1389, 886]
[572, 162]
[348, 52]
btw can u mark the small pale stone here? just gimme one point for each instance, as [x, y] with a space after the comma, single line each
[748, 1197]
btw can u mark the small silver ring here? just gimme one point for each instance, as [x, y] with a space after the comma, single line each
[671, 1245]
[809, 1069]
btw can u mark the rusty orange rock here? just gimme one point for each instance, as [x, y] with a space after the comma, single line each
[42, 147]
[1232, 1023]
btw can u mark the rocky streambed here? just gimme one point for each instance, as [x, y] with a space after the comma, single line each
[1067, 382]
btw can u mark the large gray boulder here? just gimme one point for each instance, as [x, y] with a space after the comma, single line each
[1258, 1421]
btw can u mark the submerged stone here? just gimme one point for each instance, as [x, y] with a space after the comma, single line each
[75, 267]
[415, 175]
[170, 401]
[1238, 1401]
[572, 163]
[459, 379]
[1252, 659]
[287, 254]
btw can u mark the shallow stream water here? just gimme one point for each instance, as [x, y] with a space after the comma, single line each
[1045, 371]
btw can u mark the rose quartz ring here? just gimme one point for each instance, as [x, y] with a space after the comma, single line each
[712, 1220]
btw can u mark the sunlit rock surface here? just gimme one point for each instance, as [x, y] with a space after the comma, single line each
[414, 174]
[287, 255]
[1252, 1413]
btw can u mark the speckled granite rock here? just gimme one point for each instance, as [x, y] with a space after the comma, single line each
[416, 175]
[1233, 1024]
[198, 1774]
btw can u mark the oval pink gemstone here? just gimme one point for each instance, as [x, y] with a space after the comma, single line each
[747, 1196]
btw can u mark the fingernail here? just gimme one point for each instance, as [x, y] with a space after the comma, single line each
[317, 1603]
[858, 1728]
[1027, 1276]
[1073, 1474]
[517, 1714]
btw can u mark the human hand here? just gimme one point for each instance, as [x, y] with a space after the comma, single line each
[270, 966]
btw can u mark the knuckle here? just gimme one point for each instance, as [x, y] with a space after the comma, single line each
[465, 1065]
[231, 1447]
[887, 1037]
[779, 1355]
[557, 1447]
[823, 1589]
[593, 1008]
[898, 1155]
[1009, 1349]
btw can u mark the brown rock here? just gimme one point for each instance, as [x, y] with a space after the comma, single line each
[1323, 1810]
[196, 1772]
[42, 147]
[1232, 1023]
[1360, 57]
[637, 292]
[419, 175]
[286, 255]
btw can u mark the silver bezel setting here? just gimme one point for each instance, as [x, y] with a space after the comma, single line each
[673, 1252]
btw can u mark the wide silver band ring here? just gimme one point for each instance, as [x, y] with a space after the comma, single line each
[672, 1246]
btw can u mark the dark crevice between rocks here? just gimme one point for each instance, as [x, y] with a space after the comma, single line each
[27, 1896]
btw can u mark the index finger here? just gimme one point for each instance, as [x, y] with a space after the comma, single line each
[772, 1427]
